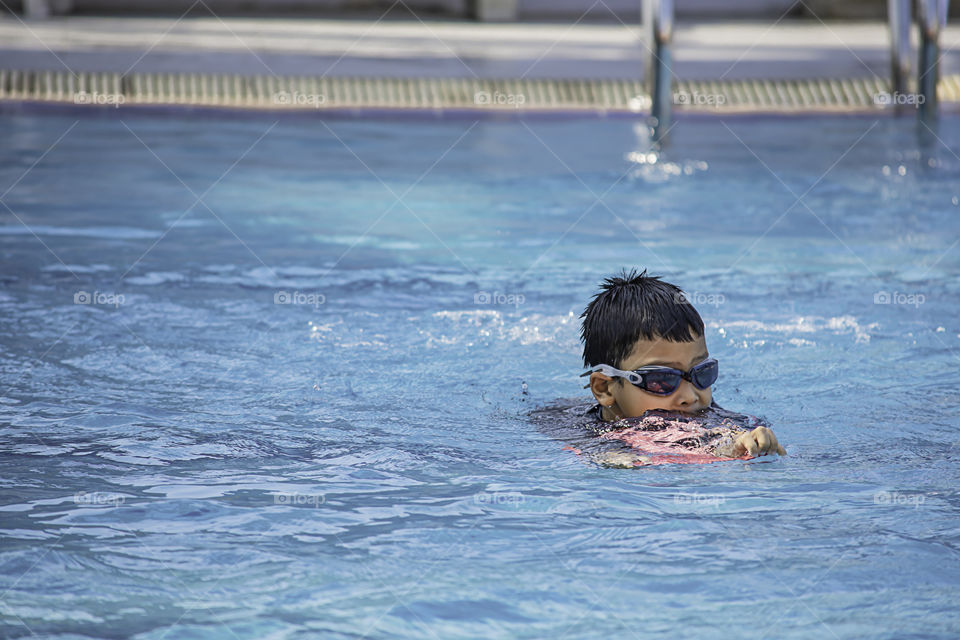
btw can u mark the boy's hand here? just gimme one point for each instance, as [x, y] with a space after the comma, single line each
[758, 442]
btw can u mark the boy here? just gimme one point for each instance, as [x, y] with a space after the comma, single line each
[645, 347]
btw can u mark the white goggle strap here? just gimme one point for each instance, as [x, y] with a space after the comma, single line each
[613, 372]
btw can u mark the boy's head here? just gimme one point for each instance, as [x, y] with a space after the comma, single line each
[637, 321]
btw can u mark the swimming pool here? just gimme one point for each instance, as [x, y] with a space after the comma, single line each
[270, 379]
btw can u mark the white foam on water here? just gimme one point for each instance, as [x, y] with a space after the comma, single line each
[157, 277]
[112, 233]
[472, 315]
[77, 268]
[561, 329]
[800, 325]
[371, 241]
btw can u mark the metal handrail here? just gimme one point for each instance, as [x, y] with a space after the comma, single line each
[900, 19]
[658, 22]
[932, 15]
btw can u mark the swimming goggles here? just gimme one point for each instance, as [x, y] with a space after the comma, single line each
[663, 381]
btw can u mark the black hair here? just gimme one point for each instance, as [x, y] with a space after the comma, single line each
[633, 306]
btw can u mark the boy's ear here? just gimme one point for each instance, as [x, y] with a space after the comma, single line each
[600, 386]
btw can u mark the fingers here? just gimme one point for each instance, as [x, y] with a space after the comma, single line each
[763, 436]
[775, 445]
[767, 441]
[745, 444]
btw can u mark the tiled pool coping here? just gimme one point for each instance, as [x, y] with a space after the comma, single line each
[306, 94]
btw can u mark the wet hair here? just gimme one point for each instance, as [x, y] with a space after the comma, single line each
[632, 306]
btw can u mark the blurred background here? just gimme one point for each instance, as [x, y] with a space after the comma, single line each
[505, 10]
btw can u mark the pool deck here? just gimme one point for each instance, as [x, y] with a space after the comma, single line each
[786, 49]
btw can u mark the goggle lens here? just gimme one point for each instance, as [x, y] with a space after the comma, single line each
[662, 383]
[705, 374]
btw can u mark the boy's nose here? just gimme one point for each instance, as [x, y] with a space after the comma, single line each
[686, 395]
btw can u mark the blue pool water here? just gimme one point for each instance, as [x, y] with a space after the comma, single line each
[272, 379]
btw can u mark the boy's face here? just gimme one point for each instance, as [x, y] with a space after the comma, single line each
[620, 399]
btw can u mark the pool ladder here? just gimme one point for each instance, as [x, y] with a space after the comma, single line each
[931, 18]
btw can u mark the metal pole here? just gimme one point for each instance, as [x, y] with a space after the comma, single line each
[931, 14]
[660, 14]
[646, 17]
[900, 19]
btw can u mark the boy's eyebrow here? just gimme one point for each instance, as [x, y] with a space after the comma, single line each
[662, 363]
